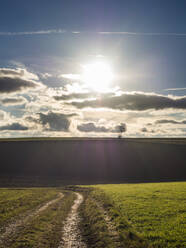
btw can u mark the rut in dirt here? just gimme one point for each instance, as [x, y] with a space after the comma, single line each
[71, 234]
[14, 226]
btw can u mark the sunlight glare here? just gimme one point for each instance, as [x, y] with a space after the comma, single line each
[97, 76]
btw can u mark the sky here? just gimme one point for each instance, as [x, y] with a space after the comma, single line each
[87, 68]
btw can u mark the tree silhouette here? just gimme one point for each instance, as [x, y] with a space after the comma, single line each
[122, 129]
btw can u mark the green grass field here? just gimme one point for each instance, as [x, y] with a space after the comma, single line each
[155, 211]
[16, 201]
[114, 215]
[39, 230]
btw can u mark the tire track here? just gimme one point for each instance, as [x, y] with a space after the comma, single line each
[14, 226]
[110, 226]
[71, 235]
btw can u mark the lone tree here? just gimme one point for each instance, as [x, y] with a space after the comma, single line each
[122, 129]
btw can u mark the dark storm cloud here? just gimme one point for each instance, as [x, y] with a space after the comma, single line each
[92, 127]
[52, 121]
[14, 126]
[13, 101]
[8, 85]
[12, 80]
[165, 121]
[135, 101]
[73, 96]
[66, 97]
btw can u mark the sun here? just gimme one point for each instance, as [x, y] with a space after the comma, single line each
[97, 76]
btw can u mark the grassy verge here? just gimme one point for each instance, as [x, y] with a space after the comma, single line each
[14, 202]
[95, 228]
[156, 211]
[44, 230]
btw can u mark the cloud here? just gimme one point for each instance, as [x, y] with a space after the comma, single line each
[70, 76]
[141, 34]
[53, 121]
[144, 130]
[13, 101]
[79, 96]
[45, 75]
[14, 126]
[174, 89]
[13, 80]
[38, 32]
[17, 72]
[62, 31]
[92, 127]
[168, 121]
[2, 115]
[138, 101]
[83, 95]
[65, 97]
[8, 85]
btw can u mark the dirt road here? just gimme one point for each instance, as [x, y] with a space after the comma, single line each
[71, 235]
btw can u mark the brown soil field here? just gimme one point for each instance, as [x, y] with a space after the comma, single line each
[89, 160]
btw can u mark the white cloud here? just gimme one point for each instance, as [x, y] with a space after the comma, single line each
[62, 31]
[45, 75]
[102, 113]
[175, 89]
[38, 32]
[141, 34]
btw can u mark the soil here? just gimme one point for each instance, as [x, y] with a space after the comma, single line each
[71, 235]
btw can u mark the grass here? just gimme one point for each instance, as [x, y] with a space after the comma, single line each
[44, 230]
[97, 232]
[155, 212]
[14, 202]
[144, 215]
[93, 226]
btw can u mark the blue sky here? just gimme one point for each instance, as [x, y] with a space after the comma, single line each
[143, 41]
[134, 15]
